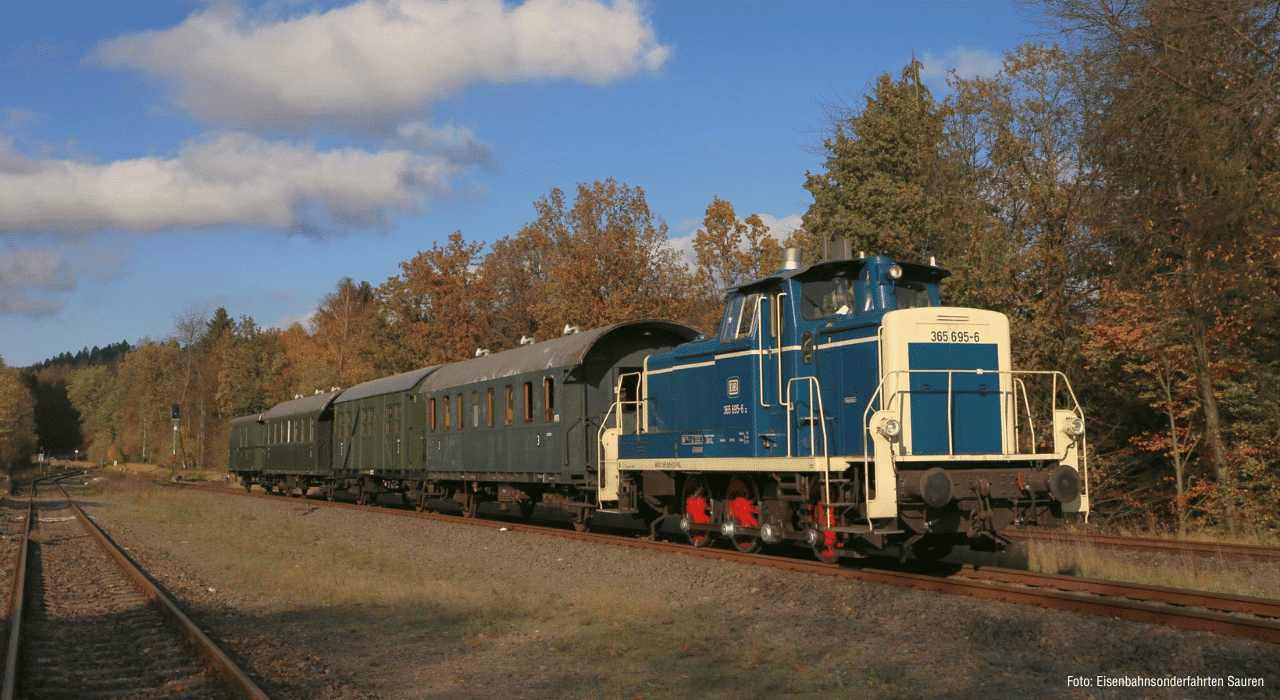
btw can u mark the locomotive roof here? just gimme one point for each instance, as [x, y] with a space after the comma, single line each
[307, 405]
[387, 385]
[914, 271]
[566, 351]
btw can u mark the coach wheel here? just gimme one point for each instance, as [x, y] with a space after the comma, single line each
[363, 497]
[247, 483]
[696, 501]
[302, 491]
[742, 508]
[330, 493]
[582, 520]
[421, 504]
[826, 544]
[470, 506]
[526, 509]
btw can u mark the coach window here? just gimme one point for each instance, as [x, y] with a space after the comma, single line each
[528, 402]
[445, 413]
[393, 419]
[490, 414]
[431, 413]
[549, 393]
[475, 409]
[462, 412]
[511, 405]
[366, 419]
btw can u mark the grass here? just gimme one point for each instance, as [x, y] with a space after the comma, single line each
[1219, 575]
[621, 640]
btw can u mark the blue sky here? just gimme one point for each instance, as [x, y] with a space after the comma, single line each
[158, 157]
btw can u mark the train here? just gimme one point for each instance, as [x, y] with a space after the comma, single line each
[840, 407]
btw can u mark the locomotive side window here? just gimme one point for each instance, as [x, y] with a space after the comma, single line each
[739, 317]
[912, 295]
[821, 299]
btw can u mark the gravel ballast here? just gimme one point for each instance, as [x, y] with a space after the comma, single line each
[543, 617]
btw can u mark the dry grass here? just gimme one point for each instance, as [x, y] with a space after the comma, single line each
[1219, 575]
[629, 635]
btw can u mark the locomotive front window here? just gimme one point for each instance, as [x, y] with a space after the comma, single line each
[912, 295]
[739, 316]
[821, 299]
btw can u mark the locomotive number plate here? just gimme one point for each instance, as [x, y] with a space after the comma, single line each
[954, 336]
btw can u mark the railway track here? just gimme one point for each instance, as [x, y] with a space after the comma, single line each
[1255, 618]
[1154, 545]
[87, 623]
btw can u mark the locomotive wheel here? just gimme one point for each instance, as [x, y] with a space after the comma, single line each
[742, 508]
[696, 501]
[471, 506]
[827, 548]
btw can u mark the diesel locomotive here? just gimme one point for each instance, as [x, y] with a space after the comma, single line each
[840, 407]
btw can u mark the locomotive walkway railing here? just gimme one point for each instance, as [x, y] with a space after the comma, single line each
[1013, 424]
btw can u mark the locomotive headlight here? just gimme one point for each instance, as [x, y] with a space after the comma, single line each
[1074, 428]
[891, 428]
[895, 271]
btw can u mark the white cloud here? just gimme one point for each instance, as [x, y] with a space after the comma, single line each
[375, 63]
[968, 63]
[31, 282]
[230, 179]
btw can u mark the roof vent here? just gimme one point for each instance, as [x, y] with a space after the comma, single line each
[526, 340]
[841, 249]
[481, 352]
[791, 259]
[570, 329]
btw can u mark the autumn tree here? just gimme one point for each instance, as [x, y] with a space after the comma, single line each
[17, 418]
[435, 307]
[730, 250]
[346, 329]
[251, 363]
[603, 260]
[148, 383]
[1020, 135]
[1186, 132]
[92, 393]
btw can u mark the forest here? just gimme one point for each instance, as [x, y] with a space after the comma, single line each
[1115, 192]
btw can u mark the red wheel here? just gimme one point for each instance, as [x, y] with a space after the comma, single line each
[742, 508]
[696, 500]
[819, 515]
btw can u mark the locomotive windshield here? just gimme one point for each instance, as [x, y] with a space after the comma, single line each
[820, 299]
[911, 295]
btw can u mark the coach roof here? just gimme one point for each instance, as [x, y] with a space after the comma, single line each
[396, 383]
[305, 406]
[566, 351]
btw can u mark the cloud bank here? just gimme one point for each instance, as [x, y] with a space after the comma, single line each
[231, 179]
[370, 64]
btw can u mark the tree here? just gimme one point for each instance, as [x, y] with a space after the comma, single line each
[730, 250]
[92, 392]
[251, 363]
[346, 329]
[886, 187]
[17, 418]
[1186, 132]
[604, 260]
[434, 307]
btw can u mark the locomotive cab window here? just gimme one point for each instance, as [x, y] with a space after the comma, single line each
[739, 318]
[828, 297]
[912, 295]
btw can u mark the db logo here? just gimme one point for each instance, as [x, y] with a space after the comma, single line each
[733, 386]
